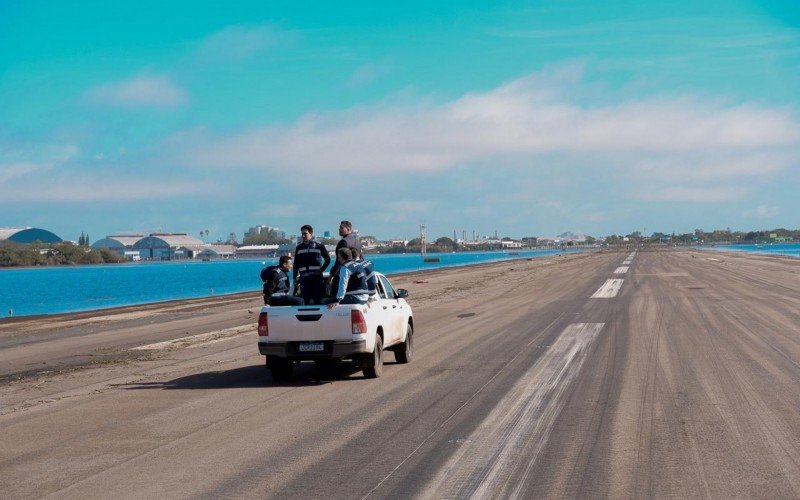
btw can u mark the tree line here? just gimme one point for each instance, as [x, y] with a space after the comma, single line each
[701, 236]
[36, 254]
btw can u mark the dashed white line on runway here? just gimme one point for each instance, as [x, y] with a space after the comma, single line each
[497, 458]
[609, 290]
[621, 270]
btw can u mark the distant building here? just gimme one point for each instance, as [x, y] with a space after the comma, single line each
[120, 243]
[265, 231]
[166, 246]
[28, 235]
[208, 251]
[257, 251]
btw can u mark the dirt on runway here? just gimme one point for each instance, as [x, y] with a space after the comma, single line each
[682, 383]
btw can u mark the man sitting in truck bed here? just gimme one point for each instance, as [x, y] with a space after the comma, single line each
[353, 287]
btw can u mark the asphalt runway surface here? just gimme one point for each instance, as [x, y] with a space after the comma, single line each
[654, 374]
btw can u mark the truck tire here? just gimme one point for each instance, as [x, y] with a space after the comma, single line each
[280, 368]
[373, 366]
[404, 352]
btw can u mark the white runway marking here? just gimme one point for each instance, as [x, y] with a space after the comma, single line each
[627, 262]
[497, 458]
[200, 340]
[609, 289]
[621, 270]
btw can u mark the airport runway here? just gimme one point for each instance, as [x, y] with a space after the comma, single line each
[668, 373]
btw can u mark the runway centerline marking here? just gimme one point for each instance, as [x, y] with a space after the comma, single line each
[496, 459]
[621, 270]
[609, 290]
[200, 340]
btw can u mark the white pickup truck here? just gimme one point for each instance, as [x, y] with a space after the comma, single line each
[290, 334]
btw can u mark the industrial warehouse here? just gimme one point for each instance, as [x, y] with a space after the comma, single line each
[164, 246]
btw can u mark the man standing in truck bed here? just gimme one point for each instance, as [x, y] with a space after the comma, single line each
[310, 260]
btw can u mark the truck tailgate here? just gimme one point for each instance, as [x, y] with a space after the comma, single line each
[309, 323]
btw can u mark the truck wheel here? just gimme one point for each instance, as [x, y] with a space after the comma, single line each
[375, 361]
[405, 351]
[280, 368]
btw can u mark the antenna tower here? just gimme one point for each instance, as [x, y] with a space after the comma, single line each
[422, 248]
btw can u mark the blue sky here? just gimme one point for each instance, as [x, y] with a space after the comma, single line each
[525, 118]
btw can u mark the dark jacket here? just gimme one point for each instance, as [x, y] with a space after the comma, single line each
[310, 258]
[277, 282]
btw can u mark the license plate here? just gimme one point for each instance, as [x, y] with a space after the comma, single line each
[312, 347]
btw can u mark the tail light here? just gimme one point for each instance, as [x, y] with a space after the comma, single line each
[359, 322]
[263, 327]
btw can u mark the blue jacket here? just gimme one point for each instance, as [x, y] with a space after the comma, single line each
[352, 281]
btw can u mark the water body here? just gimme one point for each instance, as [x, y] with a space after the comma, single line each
[49, 290]
[791, 249]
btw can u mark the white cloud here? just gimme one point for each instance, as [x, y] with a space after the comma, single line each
[239, 42]
[18, 161]
[519, 124]
[477, 210]
[286, 210]
[13, 171]
[55, 190]
[139, 91]
[598, 217]
[365, 75]
[718, 166]
[411, 206]
[692, 194]
[762, 212]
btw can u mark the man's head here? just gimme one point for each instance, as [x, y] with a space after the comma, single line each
[356, 252]
[285, 263]
[345, 228]
[344, 254]
[307, 233]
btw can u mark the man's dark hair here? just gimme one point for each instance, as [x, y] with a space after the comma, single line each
[346, 223]
[284, 259]
[307, 228]
[355, 252]
[345, 253]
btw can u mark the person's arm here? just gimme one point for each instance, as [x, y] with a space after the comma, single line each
[325, 257]
[344, 277]
[272, 284]
[294, 266]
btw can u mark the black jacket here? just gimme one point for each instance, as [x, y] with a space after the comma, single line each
[310, 258]
[277, 282]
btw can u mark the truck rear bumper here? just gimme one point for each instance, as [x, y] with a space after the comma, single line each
[332, 349]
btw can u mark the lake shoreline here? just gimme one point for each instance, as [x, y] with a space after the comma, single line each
[201, 302]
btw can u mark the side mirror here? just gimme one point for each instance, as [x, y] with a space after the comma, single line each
[401, 293]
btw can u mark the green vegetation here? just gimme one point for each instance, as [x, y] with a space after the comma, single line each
[264, 239]
[714, 236]
[37, 254]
